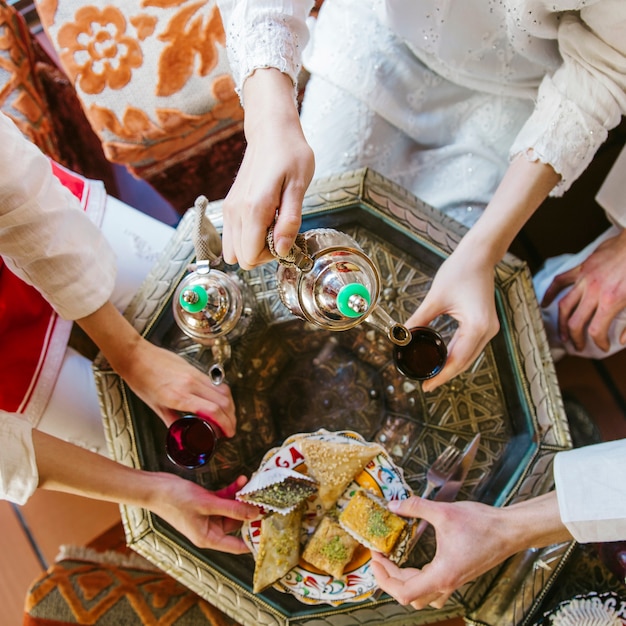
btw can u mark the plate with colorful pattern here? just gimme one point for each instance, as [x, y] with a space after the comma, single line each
[310, 585]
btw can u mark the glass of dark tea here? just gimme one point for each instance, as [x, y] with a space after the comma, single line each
[424, 356]
[191, 441]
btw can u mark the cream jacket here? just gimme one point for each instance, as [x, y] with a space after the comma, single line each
[47, 240]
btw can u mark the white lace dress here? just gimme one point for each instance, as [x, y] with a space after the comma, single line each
[438, 94]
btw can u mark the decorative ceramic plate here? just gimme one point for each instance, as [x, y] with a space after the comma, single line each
[310, 585]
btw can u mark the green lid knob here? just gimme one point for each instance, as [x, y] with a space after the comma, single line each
[193, 299]
[353, 300]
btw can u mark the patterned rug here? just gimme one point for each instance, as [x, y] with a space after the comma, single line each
[106, 584]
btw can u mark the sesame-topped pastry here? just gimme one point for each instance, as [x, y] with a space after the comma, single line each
[330, 547]
[279, 548]
[280, 490]
[370, 522]
[335, 465]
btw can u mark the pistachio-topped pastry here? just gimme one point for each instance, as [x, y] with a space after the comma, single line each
[279, 490]
[283, 495]
[330, 547]
[279, 548]
[374, 526]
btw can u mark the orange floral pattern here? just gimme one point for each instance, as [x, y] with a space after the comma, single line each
[152, 74]
[98, 51]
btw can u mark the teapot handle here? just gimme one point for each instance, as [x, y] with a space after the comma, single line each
[298, 255]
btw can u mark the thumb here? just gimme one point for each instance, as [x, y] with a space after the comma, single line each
[414, 507]
[425, 313]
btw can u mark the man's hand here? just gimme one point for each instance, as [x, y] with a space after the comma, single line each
[472, 538]
[597, 293]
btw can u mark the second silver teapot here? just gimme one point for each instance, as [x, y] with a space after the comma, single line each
[329, 281]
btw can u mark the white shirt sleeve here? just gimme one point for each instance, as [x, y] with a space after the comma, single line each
[591, 490]
[265, 34]
[585, 97]
[18, 468]
[45, 237]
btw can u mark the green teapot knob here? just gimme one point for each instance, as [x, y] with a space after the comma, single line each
[353, 300]
[193, 299]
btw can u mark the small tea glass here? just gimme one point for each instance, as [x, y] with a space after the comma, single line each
[191, 441]
[424, 356]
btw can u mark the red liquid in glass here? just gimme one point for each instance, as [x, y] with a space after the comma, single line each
[191, 442]
[424, 356]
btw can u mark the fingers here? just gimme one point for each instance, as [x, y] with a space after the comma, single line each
[228, 543]
[464, 348]
[289, 220]
[599, 328]
[230, 490]
[407, 585]
[560, 282]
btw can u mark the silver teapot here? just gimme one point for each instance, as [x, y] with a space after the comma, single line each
[329, 281]
[212, 307]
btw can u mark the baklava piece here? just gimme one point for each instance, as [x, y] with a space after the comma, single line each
[334, 465]
[280, 490]
[330, 547]
[369, 521]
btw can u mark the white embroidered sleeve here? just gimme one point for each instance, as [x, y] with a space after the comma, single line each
[585, 97]
[264, 34]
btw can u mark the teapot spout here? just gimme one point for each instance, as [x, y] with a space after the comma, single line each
[381, 320]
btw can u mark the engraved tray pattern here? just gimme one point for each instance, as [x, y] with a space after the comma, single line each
[347, 380]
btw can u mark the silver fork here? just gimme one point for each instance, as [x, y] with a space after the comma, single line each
[441, 469]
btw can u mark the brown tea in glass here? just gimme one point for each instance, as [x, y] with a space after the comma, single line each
[424, 356]
[191, 441]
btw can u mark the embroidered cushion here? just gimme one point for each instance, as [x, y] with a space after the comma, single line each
[152, 76]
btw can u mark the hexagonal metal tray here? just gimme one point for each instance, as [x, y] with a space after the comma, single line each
[288, 377]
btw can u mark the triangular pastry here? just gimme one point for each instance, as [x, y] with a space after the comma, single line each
[334, 465]
[279, 548]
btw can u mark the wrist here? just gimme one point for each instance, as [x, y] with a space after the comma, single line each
[269, 95]
[536, 523]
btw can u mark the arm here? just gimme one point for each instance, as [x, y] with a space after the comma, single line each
[464, 284]
[265, 40]
[162, 379]
[204, 517]
[472, 538]
[276, 170]
[49, 242]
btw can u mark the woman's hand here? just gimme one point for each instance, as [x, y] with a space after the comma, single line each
[277, 168]
[170, 385]
[597, 294]
[163, 380]
[205, 518]
[464, 286]
[464, 289]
